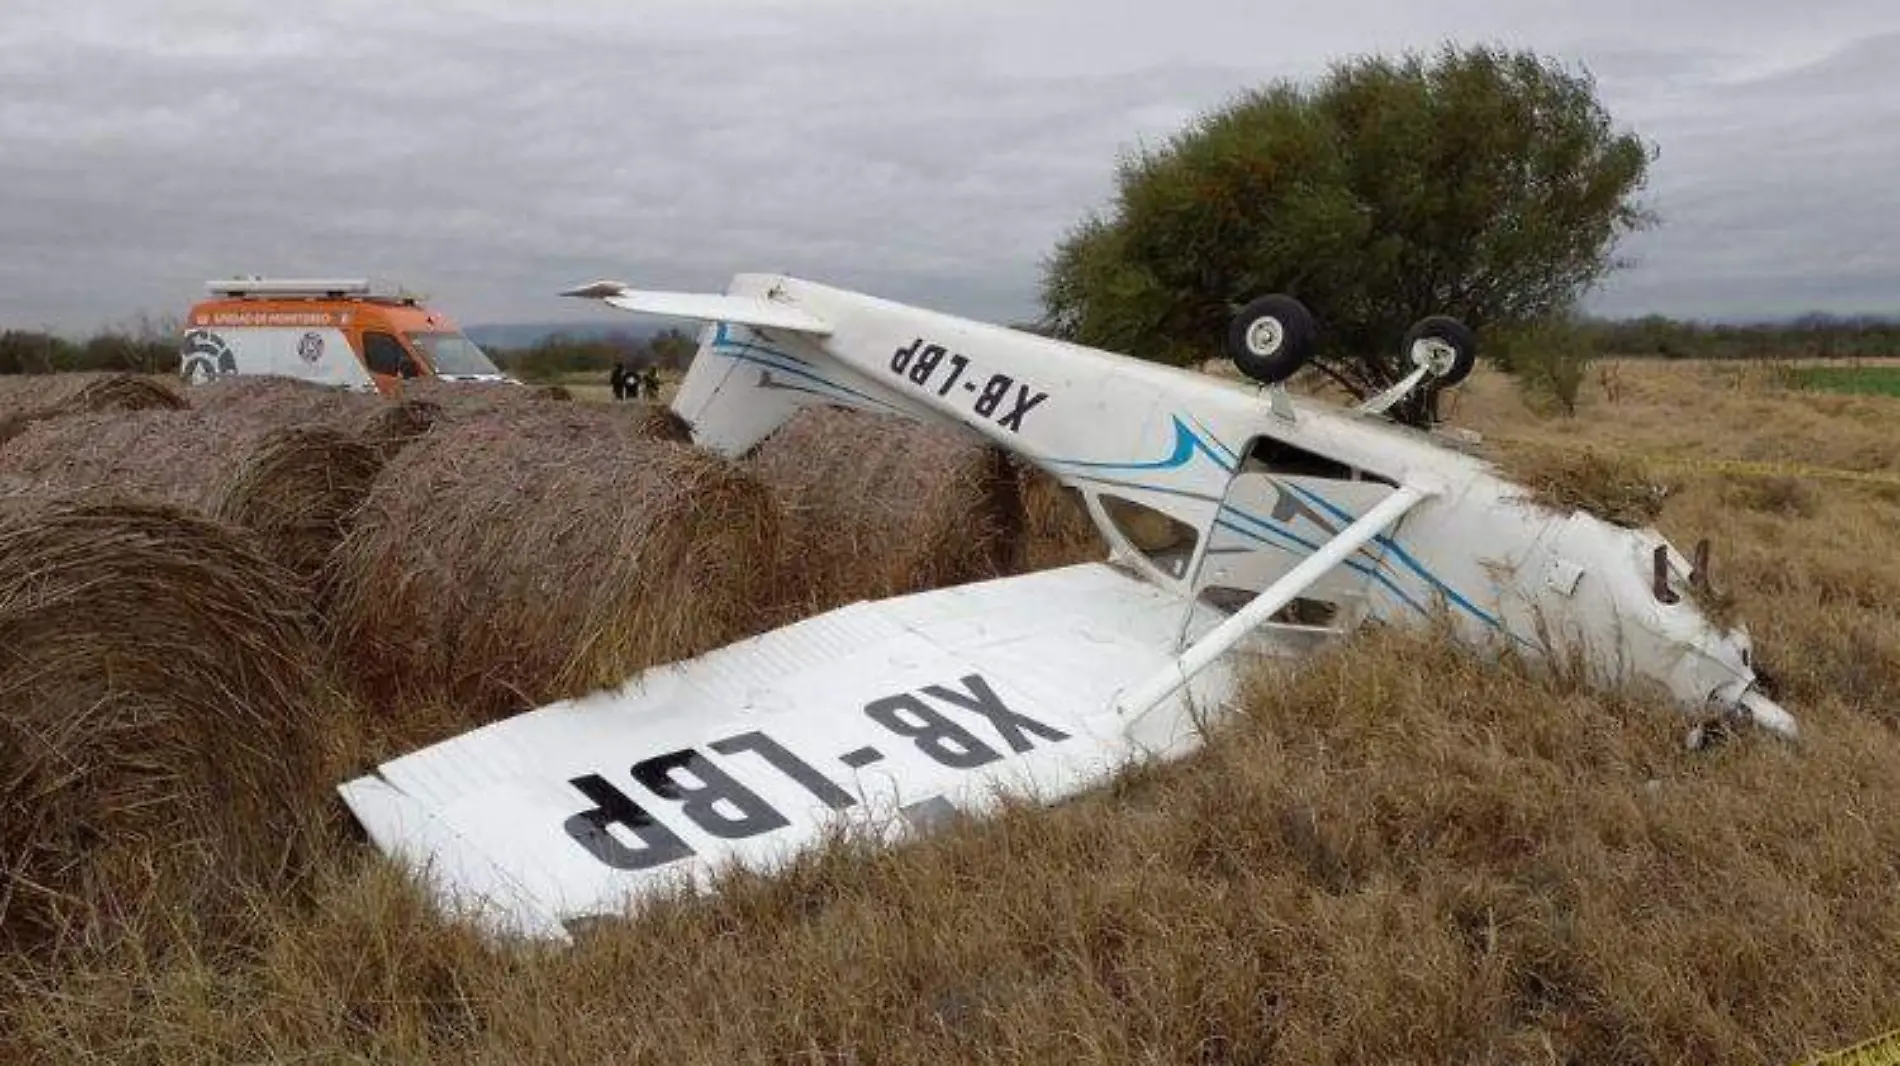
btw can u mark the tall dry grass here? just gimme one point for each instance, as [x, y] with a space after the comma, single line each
[1397, 854]
[1808, 562]
[1692, 411]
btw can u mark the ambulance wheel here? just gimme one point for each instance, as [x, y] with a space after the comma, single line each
[1271, 338]
[1443, 345]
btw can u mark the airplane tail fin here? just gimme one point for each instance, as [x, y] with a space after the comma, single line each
[759, 362]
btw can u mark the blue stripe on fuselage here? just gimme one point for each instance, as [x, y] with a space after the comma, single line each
[722, 337]
[1368, 570]
[1402, 556]
[757, 354]
[1187, 444]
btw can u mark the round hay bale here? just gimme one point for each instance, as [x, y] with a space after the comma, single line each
[398, 422]
[29, 398]
[878, 505]
[297, 491]
[528, 555]
[156, 678]
[177, 457]
[661, 423]
[474, 397]
[462, 400]
[292, 488]
[387, 423]
[1057, 530]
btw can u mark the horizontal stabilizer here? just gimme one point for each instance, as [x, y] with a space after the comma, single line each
[706, 307]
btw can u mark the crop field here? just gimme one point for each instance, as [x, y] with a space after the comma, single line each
[215, 605]
[1869, 380]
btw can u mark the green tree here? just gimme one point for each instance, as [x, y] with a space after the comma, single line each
[673, 349]
[1550, 356]
[32, 352]
[1480, 183]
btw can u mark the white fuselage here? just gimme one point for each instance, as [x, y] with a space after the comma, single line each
[1257, 479]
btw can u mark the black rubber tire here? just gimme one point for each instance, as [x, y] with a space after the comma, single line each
[1295, 339]
[1462, 339]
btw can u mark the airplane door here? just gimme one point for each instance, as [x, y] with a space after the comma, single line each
[1280, 507]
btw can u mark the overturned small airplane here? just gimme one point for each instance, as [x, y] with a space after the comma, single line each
[1242, 520]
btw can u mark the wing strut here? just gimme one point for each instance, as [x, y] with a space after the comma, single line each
[1144, 697]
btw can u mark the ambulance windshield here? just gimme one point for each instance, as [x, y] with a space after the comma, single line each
[453, 354]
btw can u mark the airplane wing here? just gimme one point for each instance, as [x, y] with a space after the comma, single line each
[883, 716]
[706, 307]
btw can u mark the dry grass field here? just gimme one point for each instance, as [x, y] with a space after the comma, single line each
[1395, 855]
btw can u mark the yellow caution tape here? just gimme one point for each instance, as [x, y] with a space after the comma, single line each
[1729, 466]
[1798, 470]
[1880, 1051]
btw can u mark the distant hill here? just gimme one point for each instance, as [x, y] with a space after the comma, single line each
[527, 334]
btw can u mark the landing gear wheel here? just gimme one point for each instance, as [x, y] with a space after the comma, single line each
[1271, 338]
[1444, 346]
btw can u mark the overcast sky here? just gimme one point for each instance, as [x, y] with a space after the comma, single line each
[492, 153]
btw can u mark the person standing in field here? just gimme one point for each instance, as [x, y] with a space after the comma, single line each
[650, 381]
[618, 379]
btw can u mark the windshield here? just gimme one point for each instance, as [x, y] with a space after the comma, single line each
[452, 353]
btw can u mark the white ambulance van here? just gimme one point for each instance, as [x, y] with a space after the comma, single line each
[337, 332]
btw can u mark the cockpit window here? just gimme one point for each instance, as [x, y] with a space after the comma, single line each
[1267, 455]
[1167, 542]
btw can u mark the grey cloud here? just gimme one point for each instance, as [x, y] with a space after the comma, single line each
[860, 156]
[926, 152]
[1777, 198]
